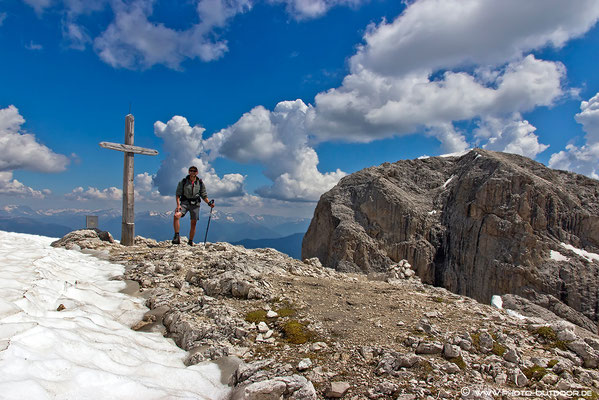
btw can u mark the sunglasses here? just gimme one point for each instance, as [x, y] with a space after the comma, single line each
[193, 170]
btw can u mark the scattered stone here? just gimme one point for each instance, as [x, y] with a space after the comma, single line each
[304, 364]
[451, 351]
[429, 348]
[337, 389]
[262, 327]
[318, 346]
[486, 342]
[519, 378]
[511, 355]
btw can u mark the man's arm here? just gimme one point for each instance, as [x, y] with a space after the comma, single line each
[204, 195]
[178, 194]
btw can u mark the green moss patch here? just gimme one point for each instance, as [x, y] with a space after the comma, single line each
[550, 337]
[547, 333]
[459, 361]
[296, 332]
[475, 340]
[552, 363]
[535, 372]
[498, 349]
[256, 316]
[286, 312]
[593, 396]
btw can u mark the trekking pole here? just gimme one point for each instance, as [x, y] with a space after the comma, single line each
[209, 218]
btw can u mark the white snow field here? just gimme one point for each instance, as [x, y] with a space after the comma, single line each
[87, 350]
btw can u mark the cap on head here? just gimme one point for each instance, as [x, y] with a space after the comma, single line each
[193, 168]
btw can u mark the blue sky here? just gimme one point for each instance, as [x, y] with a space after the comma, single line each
[276, 100]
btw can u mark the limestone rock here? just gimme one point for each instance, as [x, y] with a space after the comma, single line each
[84, 238]
[304, 364]
[479, 224]
[451, 351]
[337, 389]
[589, 355]
[429, 348]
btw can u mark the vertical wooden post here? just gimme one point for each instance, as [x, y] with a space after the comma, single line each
[128, 225]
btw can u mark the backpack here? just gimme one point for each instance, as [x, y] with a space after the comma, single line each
[191, 201]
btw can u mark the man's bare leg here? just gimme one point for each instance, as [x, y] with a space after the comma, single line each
[192, 230]
[176, 224]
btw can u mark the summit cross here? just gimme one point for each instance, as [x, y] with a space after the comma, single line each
[128, 224]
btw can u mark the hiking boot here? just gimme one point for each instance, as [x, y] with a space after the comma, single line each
[176, 239]
[190, 242]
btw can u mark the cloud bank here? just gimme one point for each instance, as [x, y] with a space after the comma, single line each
[21, 150]
[92, 193]
[583, 159]
[12, 187]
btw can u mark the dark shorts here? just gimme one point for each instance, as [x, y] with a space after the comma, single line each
[194, 211]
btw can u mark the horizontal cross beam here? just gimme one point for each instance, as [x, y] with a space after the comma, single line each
[127, 148]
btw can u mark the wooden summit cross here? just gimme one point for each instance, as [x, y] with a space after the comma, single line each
[128, 225]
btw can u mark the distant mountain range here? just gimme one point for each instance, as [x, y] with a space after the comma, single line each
[226, 227]
[290, 245]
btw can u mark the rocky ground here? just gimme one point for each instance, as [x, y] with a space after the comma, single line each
[295, 330]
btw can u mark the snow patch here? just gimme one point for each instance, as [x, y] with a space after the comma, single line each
[557, 256]
[515, 314]
[583, 253]
[447, 181]
[458, 154]
[432, 212]
[497, 302]
[87, 350]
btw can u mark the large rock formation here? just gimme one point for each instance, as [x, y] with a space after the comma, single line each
[481, 224]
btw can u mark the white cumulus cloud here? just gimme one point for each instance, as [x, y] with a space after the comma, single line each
[145, 192]
[440, 34]
[92, 193]
[309, 9]
[184, 146]
[583, 159]
[12, 187]
[511, 135]
[21, 150]
[441, 62]
[136, 39]
[133, 41]
[278, 140]
[369, 106]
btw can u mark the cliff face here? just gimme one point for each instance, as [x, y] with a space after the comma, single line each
[481, 224]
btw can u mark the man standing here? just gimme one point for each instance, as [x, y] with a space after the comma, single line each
[189, 193]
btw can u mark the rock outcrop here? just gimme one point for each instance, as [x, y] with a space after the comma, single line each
[480, 224]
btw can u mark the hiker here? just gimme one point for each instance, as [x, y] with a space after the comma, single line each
[189, 193]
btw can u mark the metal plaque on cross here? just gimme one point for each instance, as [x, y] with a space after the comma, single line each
[128, 225]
